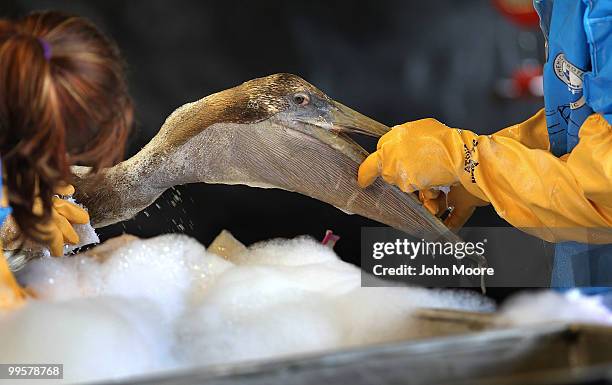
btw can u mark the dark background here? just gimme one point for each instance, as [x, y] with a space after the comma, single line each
[392, 60]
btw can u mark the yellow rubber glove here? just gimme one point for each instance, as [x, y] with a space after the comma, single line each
[12, 295]
[532, 189]
[461, 204]
[59, 231]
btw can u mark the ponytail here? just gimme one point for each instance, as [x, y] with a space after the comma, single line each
[63, 100]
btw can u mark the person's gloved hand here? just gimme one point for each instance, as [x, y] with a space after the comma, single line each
[555, 199]
[458, 201]
[418, 155]
[425, 153]
[58, 230]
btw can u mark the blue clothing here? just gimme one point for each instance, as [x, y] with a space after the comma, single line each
[577, 83]
[4, 211]
[582, 265]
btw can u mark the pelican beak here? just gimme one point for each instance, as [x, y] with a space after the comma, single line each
[333, 122]
[346, 120]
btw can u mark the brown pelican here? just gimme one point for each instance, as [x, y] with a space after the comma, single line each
[273, 132]
[278, 131]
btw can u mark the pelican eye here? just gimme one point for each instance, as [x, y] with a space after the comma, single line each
[301, 99]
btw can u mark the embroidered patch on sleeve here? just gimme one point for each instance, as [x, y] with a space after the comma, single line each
[469, 164]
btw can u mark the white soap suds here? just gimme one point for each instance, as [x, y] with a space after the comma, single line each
[132, 307]
[95, 339]
[549, 306]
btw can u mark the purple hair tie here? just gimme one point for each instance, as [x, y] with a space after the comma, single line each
[46, 48]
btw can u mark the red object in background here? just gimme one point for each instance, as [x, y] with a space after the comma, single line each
[527, 80]
[520, 12]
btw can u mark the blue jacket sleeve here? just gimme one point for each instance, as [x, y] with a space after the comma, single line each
[598, 82]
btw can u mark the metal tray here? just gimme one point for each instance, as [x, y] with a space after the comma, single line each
[466, 349]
